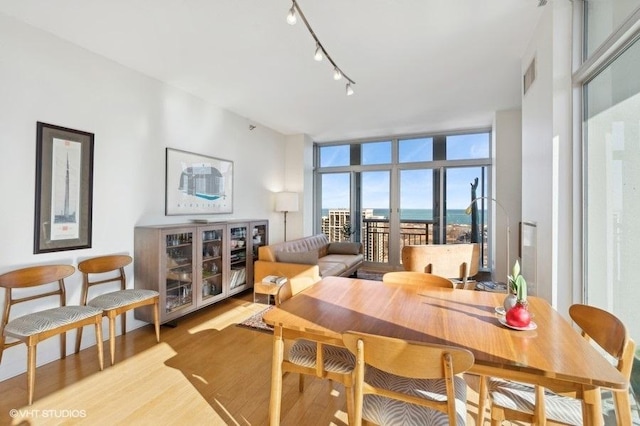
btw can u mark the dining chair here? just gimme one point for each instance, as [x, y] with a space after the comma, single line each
[314, 354]
[110, 269]
[405, 382]
[416, 278]
[37, 326]
[522, 402]
[458, 262]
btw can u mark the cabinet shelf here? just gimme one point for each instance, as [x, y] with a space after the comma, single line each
[177, 261]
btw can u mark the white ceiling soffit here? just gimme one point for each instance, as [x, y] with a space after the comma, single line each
[419, 65]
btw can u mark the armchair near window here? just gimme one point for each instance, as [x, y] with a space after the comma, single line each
[458, 262]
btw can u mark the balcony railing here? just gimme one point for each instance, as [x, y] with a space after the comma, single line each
[375, 236]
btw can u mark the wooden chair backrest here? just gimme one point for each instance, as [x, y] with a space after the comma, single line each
[32, 277]
[447, 260]
[102, 265]
[292, 287]
[416, 278]
[408, 359]
[607, 331]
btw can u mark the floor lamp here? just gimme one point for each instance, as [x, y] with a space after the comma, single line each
[468, 211]
[286, 202]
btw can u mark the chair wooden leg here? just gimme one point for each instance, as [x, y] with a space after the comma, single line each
[78, 339]
[497, 415]
[99, 343]
[63, 345]
[301, 382]
[623, 407]
[112, 338]
[31, 371]
[482, 399]
[156, 318]
[2, 339]
[349, 394]
[277, 358]
[123, 323]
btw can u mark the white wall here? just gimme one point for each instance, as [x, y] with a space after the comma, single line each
[547, 154]
[507, 134]
[134, 118]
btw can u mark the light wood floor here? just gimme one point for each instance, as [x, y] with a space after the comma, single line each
[205, 371]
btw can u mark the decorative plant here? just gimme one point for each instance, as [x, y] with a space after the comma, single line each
[518, 316]
[517, 283]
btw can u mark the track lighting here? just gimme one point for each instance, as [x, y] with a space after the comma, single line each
[291, 17]
[320, 50]
[318, 55]
[349, 89]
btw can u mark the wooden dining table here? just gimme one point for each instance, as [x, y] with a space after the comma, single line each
[553, 353]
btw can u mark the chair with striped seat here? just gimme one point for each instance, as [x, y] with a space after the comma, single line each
[399, 382]
[316, 355]
[110, 269]
[35, 327]
[535, 404]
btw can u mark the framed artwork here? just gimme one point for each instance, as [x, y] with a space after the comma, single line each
[64, 189]
[197, 184]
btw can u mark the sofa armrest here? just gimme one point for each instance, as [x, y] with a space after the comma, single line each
[299, 275]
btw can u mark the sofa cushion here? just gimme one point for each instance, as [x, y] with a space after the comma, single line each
[348, 260]
[303, 257]
[331, 269]
[344, 247]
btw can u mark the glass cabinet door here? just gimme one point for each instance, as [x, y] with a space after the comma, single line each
[179, 271]
[258, 237]
[212, 263]
[238, 257]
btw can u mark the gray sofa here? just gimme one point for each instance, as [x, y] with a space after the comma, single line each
[333, 259]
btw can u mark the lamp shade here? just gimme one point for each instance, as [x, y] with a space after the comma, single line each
[286, 202]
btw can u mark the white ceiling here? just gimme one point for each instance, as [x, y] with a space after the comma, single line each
[419, 65]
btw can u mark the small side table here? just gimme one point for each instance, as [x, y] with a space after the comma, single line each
[268, 289]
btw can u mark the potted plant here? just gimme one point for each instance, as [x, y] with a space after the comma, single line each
[517, 314]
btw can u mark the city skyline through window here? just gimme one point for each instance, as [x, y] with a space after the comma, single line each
[389, 193]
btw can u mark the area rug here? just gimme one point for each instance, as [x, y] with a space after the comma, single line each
[370, 275]
[255, 321]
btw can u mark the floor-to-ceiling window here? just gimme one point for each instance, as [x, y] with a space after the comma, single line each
[611, 141]
[398, 191]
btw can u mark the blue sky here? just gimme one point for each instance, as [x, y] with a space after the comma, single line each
[416, 185]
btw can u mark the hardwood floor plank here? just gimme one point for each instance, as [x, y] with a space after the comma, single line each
[206, 370]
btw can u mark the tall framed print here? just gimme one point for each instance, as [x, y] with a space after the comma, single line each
[197, 184]
[64, 189]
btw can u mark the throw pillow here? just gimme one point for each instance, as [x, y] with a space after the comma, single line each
[344, 247]
[303, 257]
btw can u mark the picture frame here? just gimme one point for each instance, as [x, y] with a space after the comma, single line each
[64, 189]
[197, 184]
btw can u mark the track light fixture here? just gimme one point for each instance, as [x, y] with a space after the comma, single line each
[320, 50]
[291, 16]
[349, 89]
[318, 55]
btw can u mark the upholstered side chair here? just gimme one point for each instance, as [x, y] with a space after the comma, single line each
[37, 326]
[109, 269]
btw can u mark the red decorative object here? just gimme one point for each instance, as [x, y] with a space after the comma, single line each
[518, 316]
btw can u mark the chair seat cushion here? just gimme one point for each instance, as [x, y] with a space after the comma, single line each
[385, 411]
[121, 298]
[49, 319]
[336, 360]
[521, 397]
